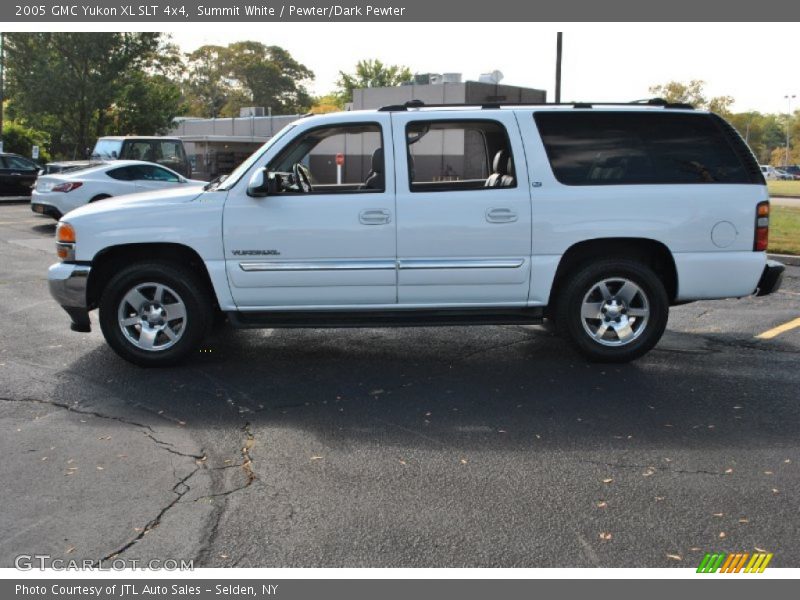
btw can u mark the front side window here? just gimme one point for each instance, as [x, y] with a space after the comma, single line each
[618, 148]
[344, 158]
[458, 155]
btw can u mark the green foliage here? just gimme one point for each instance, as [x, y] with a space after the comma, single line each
[77, 86]
[370, 73]
[784, 229]
[764, 133]
[223, 79]
[19, 139]
[692, 93]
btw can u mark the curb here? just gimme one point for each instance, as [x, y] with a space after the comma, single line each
[787, 259]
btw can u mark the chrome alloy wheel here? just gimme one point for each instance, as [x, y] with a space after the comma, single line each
[615, 311]
[152, 316]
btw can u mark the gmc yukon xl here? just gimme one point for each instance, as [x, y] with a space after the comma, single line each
[595, 218]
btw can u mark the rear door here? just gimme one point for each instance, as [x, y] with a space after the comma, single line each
[463, 222]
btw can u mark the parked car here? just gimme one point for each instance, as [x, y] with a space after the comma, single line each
[596, 218]
[165, 151]
[17, 175]
[56, 195]
[770, 172]
[793, 170]
[784, 175]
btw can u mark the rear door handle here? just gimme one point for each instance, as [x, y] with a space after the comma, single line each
[501, 215]
[375, 216]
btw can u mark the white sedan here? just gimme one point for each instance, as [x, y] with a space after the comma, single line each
[55, 195]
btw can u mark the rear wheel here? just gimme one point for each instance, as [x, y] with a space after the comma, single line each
[155, 314]
[614, 310]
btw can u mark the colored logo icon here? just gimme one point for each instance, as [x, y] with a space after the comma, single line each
[742, 562]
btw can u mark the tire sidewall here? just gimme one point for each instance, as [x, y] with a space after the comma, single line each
[570, 304]
[185, 285]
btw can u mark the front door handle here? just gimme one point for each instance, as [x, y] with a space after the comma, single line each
[375, 216]
[501, 215]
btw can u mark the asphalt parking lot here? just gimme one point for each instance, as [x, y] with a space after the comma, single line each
[422, 447]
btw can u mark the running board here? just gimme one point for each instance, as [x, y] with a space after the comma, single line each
[385, 318]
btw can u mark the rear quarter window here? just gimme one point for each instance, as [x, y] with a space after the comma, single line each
[625, 147]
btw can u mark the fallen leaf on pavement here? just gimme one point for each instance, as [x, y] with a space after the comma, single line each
[316, 458]
[602, 504]
[722, 535]
[605, 536]
[609, 480]
[675, 556]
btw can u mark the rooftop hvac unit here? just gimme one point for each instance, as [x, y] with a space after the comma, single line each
[493, 77]
[451, 77]
[252, 111]
[436, 79]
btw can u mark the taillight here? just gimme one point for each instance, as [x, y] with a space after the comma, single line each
[762, 227]
[67, 187]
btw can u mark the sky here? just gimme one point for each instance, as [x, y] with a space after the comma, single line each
[601, 62]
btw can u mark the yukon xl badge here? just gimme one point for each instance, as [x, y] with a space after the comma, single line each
[256, 253]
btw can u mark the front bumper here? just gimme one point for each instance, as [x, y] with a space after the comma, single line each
[68, 283]
[48, 210]
[771, 278]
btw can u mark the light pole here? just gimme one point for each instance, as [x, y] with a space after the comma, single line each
[559, 38]
[788, 98]
[2, 79]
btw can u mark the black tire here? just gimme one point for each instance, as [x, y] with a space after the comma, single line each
[610, 346]
[99, 197]
[190, 291]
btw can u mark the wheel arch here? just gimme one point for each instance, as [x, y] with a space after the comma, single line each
[110, 260]
[650, 252]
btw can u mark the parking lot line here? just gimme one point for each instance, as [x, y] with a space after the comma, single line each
[776, 331]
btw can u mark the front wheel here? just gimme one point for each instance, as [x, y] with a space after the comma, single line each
[154, 314]
[613, 310]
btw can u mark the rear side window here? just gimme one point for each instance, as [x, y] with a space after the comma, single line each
[618, 148]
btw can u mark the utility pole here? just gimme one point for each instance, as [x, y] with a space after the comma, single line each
[788, 98]
[559, 36]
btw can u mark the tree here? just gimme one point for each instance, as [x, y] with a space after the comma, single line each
[370, 73]
[223, 79]
[19, 139]
[326, 104]
[207, 90]
[692, 93]
[271, 76]
[74, 85]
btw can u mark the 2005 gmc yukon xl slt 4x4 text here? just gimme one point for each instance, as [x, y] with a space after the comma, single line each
[596, 217]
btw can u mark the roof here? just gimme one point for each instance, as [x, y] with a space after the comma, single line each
[139, 137]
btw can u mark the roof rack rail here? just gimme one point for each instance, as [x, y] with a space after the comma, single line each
[410, 104]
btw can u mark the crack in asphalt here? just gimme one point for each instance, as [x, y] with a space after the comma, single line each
[155, 522]
[171, 448]
[246, 465]
[76, 409]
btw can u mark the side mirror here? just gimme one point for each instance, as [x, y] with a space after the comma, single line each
[263, 183]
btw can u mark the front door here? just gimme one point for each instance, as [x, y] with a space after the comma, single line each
[326, 242]
[463, 209]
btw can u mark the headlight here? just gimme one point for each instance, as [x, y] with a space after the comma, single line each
[65, 241]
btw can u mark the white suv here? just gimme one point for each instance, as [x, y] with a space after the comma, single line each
[595, 217]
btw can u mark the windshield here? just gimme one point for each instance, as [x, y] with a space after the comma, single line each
[239, 171]
[107, 149]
